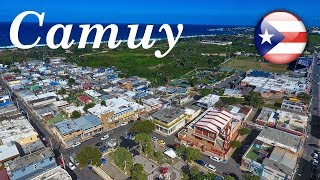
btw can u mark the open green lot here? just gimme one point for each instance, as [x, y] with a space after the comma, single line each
[247, 63]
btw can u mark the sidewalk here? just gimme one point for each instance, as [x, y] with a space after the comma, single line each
[101, 173]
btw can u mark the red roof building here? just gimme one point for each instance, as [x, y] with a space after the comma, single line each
[3, 174]
[85, 99]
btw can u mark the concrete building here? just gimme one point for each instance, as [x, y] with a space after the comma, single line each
[31, 165]
[292, 122]
[90, 126]
[267, 117]
[208, 101]
[232, 93]
[169, 120]
[68, 132]
[152, 104]
[17, 130]
[116, 111]
[8, 151]
[273, 154]
[212, 132]
[293, 105]
[56, 173]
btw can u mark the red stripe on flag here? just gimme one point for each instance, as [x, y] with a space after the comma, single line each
[281, 16]
[294, 37]
[281, 58]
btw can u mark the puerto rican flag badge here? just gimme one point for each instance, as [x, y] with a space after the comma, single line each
[280, 37]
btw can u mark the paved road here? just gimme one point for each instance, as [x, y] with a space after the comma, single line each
[313, 131]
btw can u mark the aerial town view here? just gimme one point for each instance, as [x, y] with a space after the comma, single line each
[212, 108]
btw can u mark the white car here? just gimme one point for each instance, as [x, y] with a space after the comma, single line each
[76, 144]
[315, 156]
[124, 123]
[214, 158]
[315, 162]
[154, 138]
[210, 167]
[105, 137]
[71, 166]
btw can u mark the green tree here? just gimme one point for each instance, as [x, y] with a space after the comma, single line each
[71, 81]
[89, 156]
[103, 103]
[144, 141]
[88, 106]
[137, 172]
[142, 127]
[75, 115]
[205, 92]
[305, 98]
[247, 176]
[231, 100]
[228, 177]
[244, 131]
[254, 99]
[62, 91]
[192, 154]
[235, 144]
[121, 158]
[181, 149]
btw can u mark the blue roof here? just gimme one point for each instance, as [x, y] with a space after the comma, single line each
[53, 83]
[4, 104]
[88, 121]
[255, 73]
[66, 126]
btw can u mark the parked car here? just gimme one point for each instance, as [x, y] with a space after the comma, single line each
[98, 144]
[154, 138]
[210, 167]
[161, 142]
[224, 161]
[103, 149]
[214, 158]
[315, 155]
[71, 166]
[200, 162]
[315, 162]
[76, 144]
[105, 137]
[103, 161]
[124, 123]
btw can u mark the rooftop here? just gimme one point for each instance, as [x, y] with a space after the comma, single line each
[16, 129]
[7, 151]
[57, 173]
[32, 158]
[168, 115]
[67, 126]
[280, 138]
[88, 121]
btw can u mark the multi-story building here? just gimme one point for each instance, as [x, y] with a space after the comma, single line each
[212, 132]
[293, 105]
[273, 154]
[68, 132]
[169, 120]
[90, 126]
[267, 117]
[31, 165]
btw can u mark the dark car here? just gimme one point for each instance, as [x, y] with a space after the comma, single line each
[200, 162]
[122, 138]
[103, 149]
[99, 144]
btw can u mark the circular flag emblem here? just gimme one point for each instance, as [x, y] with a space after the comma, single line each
[280, 37]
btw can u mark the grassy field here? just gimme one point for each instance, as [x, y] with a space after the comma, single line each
[247, 63]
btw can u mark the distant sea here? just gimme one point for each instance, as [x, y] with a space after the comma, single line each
[30, 31]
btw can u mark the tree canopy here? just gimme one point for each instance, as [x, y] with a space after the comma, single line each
[75, 114]
[146, 127]
[103, 103]
[137, 172]
[88, 106]
[122, 157]
[89, 156]
[189, 153]
[231, 100]
[235, 144]
[254, 99]
[71, 81]
[305, 98]
[244, 131]
[205, 92]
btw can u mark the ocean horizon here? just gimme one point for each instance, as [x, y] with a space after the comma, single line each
[29, 31]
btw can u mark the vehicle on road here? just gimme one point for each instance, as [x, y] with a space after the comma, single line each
[211, 167]
[130, 136]
[98, 144]
[71, 166]
[200, 162]
[315, 163]
[224, 161]
[124, 123]
[103, 149]
[161, 142]
[216, 159]
[105, 137]
[103, 161]
[76, 144]
[154, 138]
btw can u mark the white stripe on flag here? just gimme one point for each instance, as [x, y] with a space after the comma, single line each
[288, 26]
[288, 48]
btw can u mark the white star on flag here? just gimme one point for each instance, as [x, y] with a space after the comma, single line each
[266, 37]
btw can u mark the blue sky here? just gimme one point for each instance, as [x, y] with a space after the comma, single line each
[217, 12]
